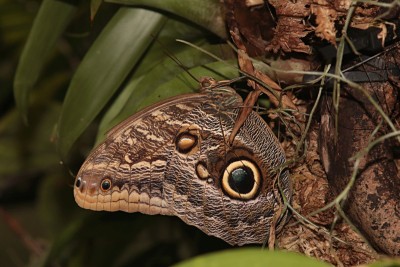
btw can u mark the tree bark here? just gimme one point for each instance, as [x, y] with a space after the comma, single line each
[373, 204]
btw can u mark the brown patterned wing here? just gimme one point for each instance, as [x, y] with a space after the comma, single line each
[174, 158]
[125, 172]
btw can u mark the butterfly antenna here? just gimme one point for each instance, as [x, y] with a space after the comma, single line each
[176, 60]
[70, 172]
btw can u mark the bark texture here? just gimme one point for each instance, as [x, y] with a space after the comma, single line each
[374, 201]
[306, 31]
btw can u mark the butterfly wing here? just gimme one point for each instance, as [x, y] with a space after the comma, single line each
[173, 158]
[125, 171]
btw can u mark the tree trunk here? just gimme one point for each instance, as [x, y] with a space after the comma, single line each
[373, 204]
[305, 32]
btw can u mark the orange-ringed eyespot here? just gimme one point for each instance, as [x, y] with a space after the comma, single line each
[105, 185]
[78, 182]
[241, 179]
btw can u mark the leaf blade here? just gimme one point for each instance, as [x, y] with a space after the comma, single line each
[138, 93]
[252, 257]
[50, 22]
[206, 13]
[112, 56]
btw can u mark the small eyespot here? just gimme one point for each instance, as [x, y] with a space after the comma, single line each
[188, 139]
[185, 142]
[105, 185]
[78, 182]
[201, 171]
[241, 180]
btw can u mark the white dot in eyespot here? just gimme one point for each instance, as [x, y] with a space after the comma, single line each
[210, 180]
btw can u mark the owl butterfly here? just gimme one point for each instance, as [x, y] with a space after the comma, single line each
[173, 158]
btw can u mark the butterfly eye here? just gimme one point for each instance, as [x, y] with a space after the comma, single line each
[105, 185]
[241, 180]
[78, 182]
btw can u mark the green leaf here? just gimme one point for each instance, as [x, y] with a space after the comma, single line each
[206, 13]
[184, 83]
[252, 257]
[49, 24]
[166, 45]
[112, 56]
[385, 263]
[143, 91]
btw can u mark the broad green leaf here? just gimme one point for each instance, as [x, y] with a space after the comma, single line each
[141, 93]
[206, 13]
[49, 24]
[252, 257]
[112, 56]
[395, 262]
[167, 70]
[184, 83]
[166, 45]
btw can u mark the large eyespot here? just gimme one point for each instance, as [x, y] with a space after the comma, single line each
[105, 184]
[241, 180]
[187, 140]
